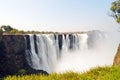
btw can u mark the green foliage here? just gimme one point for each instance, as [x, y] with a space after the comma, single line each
[1, 32]
[14, 31]
[99, 73]
[118, 19]
[7, 28]
[21, 72]
[115, 8]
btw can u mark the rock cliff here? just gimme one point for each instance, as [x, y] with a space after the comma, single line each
[117, 57]
[12, 55]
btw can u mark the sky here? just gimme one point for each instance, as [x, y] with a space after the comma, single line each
[58, 15]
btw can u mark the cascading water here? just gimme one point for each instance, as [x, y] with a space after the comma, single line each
[42, 52]
[52, 52]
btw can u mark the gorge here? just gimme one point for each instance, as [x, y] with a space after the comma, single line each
[54, 52]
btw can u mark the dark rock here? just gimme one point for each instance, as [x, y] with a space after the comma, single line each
[71, 37]
[33, 71]
[60, 42]
[27, 42]
[36, 49]
[12, 56]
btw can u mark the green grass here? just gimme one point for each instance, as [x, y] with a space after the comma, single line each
[98, 73]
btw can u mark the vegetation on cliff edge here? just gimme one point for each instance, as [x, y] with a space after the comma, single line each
[99, 73]
[8, 30]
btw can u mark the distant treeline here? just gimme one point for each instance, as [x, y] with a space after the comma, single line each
[8, 30]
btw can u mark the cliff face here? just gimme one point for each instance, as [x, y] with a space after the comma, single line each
[117, 57]
[12, 55]
[12, 50]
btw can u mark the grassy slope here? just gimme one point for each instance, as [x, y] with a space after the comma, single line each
[99, 73]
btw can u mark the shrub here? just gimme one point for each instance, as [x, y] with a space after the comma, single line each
[21, 72]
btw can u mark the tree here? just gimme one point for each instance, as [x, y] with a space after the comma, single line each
[6, 28]
[14, 31]
[115, 8]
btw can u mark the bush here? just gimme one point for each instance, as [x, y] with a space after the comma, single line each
[21, 72]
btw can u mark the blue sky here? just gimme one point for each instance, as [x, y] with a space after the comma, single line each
[57, 15]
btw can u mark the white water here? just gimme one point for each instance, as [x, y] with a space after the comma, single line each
[81, 53]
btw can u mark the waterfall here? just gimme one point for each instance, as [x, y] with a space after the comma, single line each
[44, 51]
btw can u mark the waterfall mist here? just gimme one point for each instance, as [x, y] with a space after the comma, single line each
[70, 52]
[101, 50]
